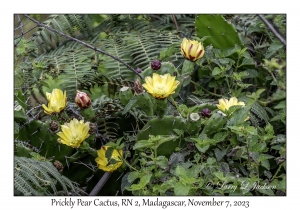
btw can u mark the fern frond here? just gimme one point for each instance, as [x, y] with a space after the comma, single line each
[74, 64]
[47, 40]
[33, 177]
[260, 112]
[112, 67]
[112, 84]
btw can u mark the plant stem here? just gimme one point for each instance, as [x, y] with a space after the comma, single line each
[214, 94]
[175, 104]
[125, 161]
[100, 184]
[277, 171]
[269, 26]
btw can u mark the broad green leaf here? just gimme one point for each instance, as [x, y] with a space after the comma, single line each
[181, 189]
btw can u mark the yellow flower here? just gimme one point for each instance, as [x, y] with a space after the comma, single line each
[109, 165]
[74, 133]
[192, 49]
[224, 104]
[161, 86]
[57, 101]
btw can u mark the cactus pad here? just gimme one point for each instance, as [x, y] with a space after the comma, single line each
[221, 34]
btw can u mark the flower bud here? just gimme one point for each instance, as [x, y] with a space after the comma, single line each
[155, 65]
[137, 87]
[192, 49]
[82, 99]
[53, 126]
[205, 112]
[138, 70]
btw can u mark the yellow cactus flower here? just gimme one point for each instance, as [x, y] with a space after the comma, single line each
[192, 49]
[224, 104]
[74, 133]
[109, 165]
[161, 86]
[57, 101]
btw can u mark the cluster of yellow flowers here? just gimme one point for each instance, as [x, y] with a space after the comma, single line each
[75, 132]
[159, 86]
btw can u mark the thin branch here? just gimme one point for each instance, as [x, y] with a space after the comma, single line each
[100, 184]
[270, 26]
[38, 106]
[175, 22]
[83, 43]
[22, 32]
[25, 32]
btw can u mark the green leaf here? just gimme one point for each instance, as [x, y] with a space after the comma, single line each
[266, 164]
[246, 62]
[133, 176]
[219, 175]
[257, 94]
[273, 48]
[20, 115]
[216, 71]
[281, 105]
[20, 98]
[130, 104]
[180, 171]
[220, 153]
[254, 156]
[143, 144]
[143, 182]
[181, 189]
[202, 149]
[251, 130]
[108, 153]
[187, 68]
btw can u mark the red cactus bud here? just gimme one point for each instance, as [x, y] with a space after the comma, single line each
[205, 112]
[82, 100]
[155, 65]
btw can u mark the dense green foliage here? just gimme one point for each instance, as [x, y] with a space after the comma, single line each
[174, 154]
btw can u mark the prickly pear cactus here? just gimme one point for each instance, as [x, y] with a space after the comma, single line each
[215, 123]
[144, 101]
[221, 34]
[38, 135]
[162, 126]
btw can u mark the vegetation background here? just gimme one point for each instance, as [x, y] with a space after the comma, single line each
[290, 118]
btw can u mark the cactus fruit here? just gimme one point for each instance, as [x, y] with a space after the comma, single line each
[221, 34]
[215, 123]
[162, 126]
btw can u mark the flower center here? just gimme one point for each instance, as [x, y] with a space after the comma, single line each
[160, 89]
